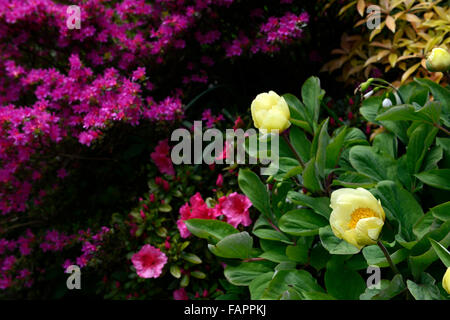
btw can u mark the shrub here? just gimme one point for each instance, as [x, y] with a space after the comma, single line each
[398, 48]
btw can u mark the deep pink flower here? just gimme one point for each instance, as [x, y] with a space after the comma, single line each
[162, 159]
[138, 74]
[238, 123]
[196, 210]
[235, 208]
[219, 181]
[149, 262]
[180, 294]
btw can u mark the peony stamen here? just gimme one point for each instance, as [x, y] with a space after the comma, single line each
[358, 214]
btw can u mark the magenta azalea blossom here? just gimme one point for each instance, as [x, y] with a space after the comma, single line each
[235, 208]
[149, 262]
[197, 209]
[180, 294]
[162, 159]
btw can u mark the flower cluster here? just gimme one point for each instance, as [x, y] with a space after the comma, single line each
[234, 208]
[162, 159]
[58, 83]
[13, 268]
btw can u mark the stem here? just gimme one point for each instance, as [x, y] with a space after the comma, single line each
[443, 129]
[253, 259]
[388, 257]
[297, 156]
[273, 225]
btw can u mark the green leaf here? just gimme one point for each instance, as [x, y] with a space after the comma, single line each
[374, 256]
[291, 294]
[244, 273]
[354, 180]
[387, 290]
[432, 158]
[402, 112]
[419, 142]
[442, 211]
[300, 143]
[335, 245]
[300, 280]
[370, 106]
[297, 253]
[284, 166]
[423, 225]
[190, 257]
[399, 128]
[259, 284]
[165, 207]
[413, 92]
[343, 283]
[322, 143]
[321, 205]
[301, 222]
[354, 136]
[310, 177]
[401, 205]
[420, 261]
[334, 149]
[302, 124]
[319, 257]
[270, 234]
[312, 94]
[432, 111]
[425, 290]
[175, 271]
[237, 246]
[211, 230]
[316, 296]
[255, 190]
[299, 115]
[366, 161]
[442, 252]
[439, 93]
[273, 251]
[438, 178]
[386, 142]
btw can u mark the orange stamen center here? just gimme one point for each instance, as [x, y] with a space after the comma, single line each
[359, 214]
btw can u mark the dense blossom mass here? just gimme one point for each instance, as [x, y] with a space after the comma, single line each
[57, 83]
[61, 86]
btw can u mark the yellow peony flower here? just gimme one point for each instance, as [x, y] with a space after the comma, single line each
[357, 216]
[270, 112]
[438, 60]
[446, 281]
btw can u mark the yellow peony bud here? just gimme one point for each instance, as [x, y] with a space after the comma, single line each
[446, 281]
[270, 112]
[438, 60]
[357, 216]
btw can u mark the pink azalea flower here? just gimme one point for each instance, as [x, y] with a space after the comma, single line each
[180, 294]
[235, 208]
[196, 210]
[149, 262]
[219, 181]
[162, 159]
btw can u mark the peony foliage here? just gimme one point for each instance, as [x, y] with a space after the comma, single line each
[343, 204]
